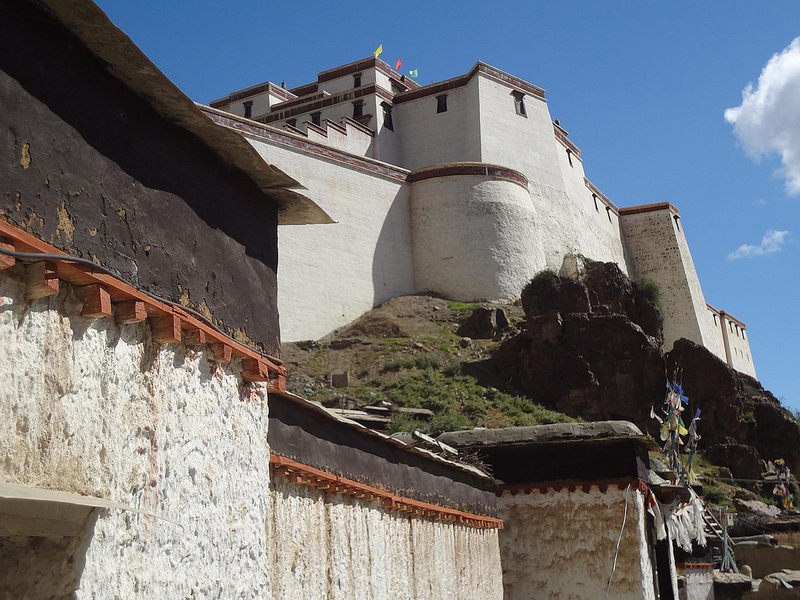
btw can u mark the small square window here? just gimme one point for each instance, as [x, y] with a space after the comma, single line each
[387, 116]
[316, 118]
[519, 103]
[358, 109]
[441, 103]
[248, 109]
[357, 80]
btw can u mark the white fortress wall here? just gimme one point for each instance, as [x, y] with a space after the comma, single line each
[737, 344]
[566, 219]
[338, 547]
[368, 249]
[430, 138]
[474, 235]
[387, 141]
[658, 250]
[90, 407]
[560, 545]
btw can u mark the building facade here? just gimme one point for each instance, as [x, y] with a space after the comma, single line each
[464, 188]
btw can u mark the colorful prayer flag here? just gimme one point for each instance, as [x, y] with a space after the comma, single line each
[377, 52]
[399, 62]
[413, 73]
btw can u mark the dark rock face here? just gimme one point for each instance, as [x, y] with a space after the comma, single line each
[737, 412]
[484, 324]
[591, 349]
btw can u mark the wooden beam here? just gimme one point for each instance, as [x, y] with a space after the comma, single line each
[166, 329]
[277, 384]
[7, 261]
[130, 311]
[194, 337]
[42, 280]
[254, 370]
[96, 301]
[221, 352]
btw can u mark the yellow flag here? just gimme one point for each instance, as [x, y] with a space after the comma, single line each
[378, 51]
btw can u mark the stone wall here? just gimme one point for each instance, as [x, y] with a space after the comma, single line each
[337, 547]
[560, 545]
[90, 407]
[658, 250]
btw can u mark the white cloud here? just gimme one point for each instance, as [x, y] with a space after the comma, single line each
[768, 120]
[771, 242]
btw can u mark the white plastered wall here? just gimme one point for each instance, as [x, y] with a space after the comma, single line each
[738, 345]
[474, 238]
[429, 138]
[90, 407]
[658, 250]
[566, 217]
[560, 545]
[340, 548]
[329, 275]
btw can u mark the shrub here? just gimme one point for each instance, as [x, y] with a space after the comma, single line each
[647, 288]
[542, 283]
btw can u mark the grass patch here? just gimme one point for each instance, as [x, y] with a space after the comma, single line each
[647, 288]
[462, 306]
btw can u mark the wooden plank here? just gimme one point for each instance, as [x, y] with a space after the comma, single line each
[194, 337]
[7, 261]
[42, 280]
[221, 352]
[96, 301]
[254, 370]
[130, 311]
[277, 384]
[166, 329]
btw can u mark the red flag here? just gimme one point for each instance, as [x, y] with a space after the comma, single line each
[399, 62]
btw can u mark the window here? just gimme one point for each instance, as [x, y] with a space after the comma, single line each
[730, 326]
[357, 80]
[608, 212]
[248, 109]
[358, 109]
[677, 221]
[292, 122]
[743, 336]
[387, 116]
[715, 320]
[569, 156]
[737, 331]
[441, 103]
[594, 197]
[519, 103]
[316, 118]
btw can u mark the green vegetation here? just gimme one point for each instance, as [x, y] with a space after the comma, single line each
[647, 288]
[717, 495]
[462, 306]
[542, 283]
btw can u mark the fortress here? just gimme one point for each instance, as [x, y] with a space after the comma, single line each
[464, 188]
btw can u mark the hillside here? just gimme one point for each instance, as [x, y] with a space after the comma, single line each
[408, 352]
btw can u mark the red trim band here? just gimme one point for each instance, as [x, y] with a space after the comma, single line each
[298, 473]
[481, 169]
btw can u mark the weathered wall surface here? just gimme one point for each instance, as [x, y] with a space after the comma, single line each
[335, 273]
[658, 250]
[90, 407]
[340, 548]
[737, 344]
[560, 545]
[699, 582]
[86, 165]
[474, 237]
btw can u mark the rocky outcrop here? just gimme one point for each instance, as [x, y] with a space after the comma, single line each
[742, 423]
[484, 324]
[591, 347]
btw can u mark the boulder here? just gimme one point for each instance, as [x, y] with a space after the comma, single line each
[484, 324]
[757, 508]
[731, 586]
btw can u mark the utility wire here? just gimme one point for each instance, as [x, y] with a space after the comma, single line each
[619, 539]
[37, 256]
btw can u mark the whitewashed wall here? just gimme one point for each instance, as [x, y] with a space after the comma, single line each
[340, 548]
[474, 238]
[738, 346]
[429, 138]
[329, 275]
[560, 545]
[699, 582]
[90, 407]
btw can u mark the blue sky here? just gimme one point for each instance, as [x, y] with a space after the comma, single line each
[641, 87]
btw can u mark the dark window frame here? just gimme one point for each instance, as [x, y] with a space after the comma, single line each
[441, 103]
[357, 80]
[358, 108]
[248, 109]
[519, 103]
[388, 123]
[316, 118]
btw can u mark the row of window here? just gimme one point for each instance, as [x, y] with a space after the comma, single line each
[739, 331]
